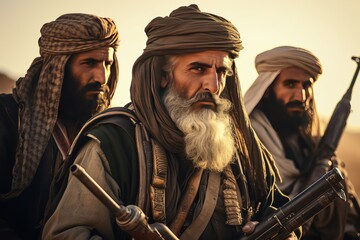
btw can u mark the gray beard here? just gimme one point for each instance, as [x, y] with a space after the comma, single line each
[209, 143]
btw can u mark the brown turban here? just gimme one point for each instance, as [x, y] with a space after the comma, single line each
[38, 93]
[269, 64]
[185, 30]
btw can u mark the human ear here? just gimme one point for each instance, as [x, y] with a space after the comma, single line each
[164, 81]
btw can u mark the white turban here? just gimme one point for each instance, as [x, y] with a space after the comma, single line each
[270, 63]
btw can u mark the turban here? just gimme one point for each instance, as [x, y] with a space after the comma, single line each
[38, 93]
[270, 63]
[185, 30]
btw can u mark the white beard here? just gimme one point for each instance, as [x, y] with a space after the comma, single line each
[208, 139]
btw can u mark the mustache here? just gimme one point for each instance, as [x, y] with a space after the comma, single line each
[95, 86]
[203, 96]
[295, 104]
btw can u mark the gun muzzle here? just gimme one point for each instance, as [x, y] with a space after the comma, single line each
[356, 59]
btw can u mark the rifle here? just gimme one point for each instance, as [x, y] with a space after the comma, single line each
[337, 123]
[301, 208]
[129, 218]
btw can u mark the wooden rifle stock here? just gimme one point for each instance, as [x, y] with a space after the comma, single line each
[301, 208]
[129, 218]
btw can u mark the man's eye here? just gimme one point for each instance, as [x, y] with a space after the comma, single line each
[198, 69]
[223, 72]
[90, 63]
[290, 84]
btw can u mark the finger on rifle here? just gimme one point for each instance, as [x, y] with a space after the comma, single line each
[292, 236]
[249, 227]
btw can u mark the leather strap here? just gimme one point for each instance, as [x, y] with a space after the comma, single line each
[61, 138]
[186, 201]
[199, 224]
[158, 184]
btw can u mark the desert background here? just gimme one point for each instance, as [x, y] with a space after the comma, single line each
[349, 152]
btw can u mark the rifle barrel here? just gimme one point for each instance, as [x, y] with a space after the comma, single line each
[129, 218]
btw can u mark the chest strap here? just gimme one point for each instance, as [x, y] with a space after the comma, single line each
[61, 138]
[158, 183]
[199, 224]
[186, 201]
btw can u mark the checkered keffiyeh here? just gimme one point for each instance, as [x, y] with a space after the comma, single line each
[38, 93]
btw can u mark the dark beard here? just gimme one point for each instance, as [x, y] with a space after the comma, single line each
[282, 121]
[75, 107]
[289, 126]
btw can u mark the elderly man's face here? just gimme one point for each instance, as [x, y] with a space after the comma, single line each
[192, 100]
[85, 83]
[203, 72]
[293, 87]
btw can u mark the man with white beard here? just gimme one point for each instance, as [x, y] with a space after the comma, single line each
[189, 157]
[205, 130]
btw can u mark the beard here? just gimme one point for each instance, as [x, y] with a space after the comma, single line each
[284, 122]
[76, 107]
[209, 143]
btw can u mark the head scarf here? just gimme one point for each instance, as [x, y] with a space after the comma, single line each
[185, 30]
[38, 93]
[189, 30]
[270, 63]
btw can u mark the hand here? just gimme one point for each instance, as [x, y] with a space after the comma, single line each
[292, 236]
[249, 228]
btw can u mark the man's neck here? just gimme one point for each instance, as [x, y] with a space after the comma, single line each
[72, 128]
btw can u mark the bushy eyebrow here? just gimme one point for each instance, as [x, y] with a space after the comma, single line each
[199, 64]
[206, 65]
[97, 60]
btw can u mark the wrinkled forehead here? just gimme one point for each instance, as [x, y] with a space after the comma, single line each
[211, 58]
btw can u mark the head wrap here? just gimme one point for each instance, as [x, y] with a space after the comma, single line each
[185, 30]
[38, 93]
[270, 63]
[189, 30]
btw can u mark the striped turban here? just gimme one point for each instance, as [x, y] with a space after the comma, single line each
[270, 63]
[185, 30]
[38, 93]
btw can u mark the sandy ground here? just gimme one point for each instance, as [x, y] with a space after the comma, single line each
[349, 152]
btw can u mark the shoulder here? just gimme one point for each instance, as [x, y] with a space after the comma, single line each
[109, 124]
[113, 125]
[258, 118]
[111, 139]
[266, 133]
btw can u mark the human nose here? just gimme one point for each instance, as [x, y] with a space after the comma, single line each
[101, 74]
[211, 82]
[300, 95]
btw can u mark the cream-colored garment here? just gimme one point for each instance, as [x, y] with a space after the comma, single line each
[75, 224]
[254, 94]
[288, 171]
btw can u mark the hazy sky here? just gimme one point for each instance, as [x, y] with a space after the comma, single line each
[328, 28]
